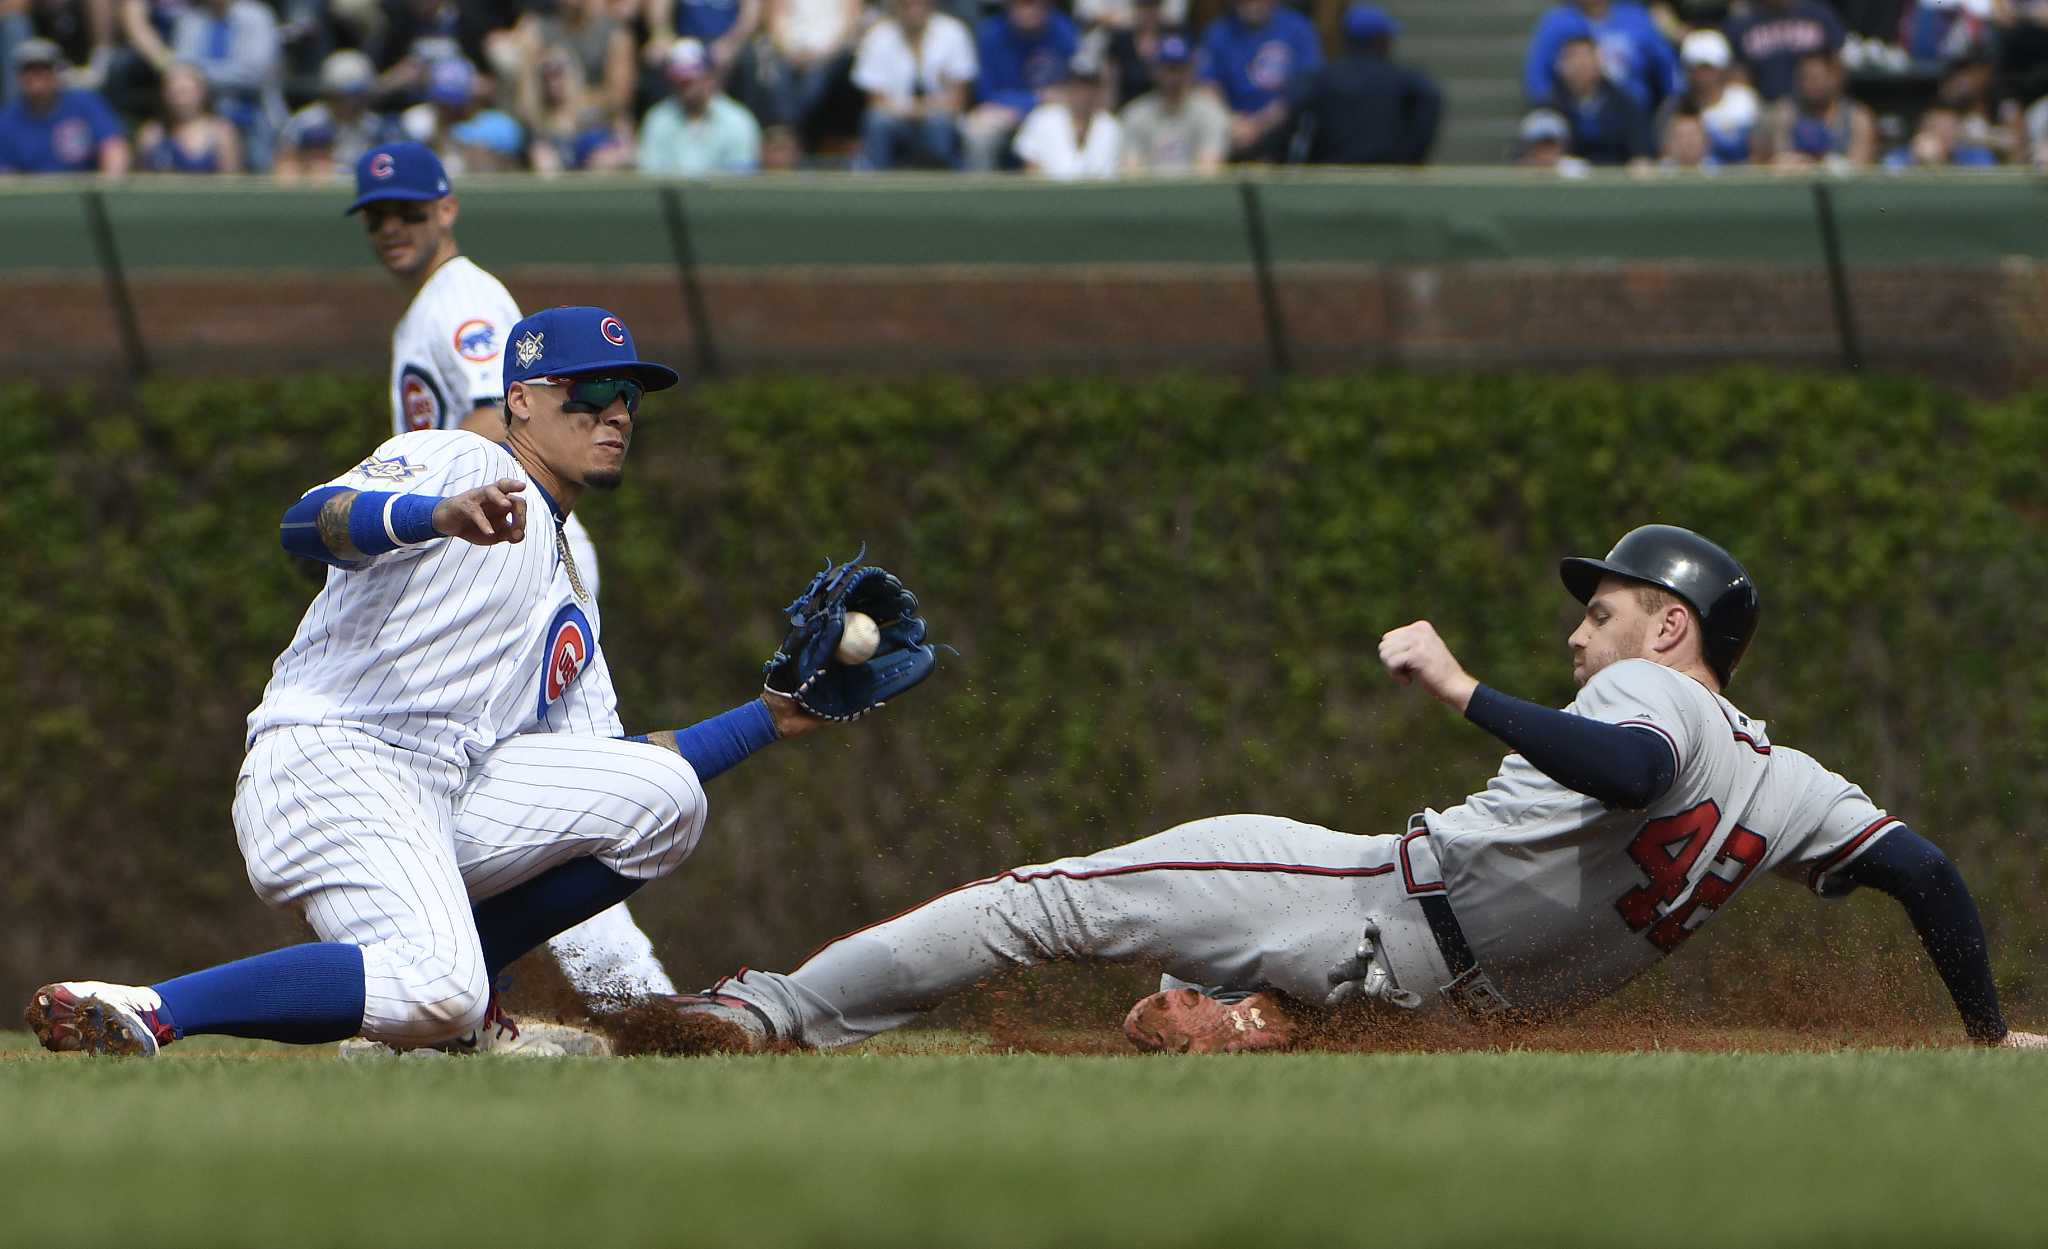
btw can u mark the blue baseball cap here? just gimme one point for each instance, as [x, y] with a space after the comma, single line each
[1175, 50]
[1368, 21]
[570, 342]
[405, 170]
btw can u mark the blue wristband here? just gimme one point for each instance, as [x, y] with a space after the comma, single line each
[380, 521]
[412, 518]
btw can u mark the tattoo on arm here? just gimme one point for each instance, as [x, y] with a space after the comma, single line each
[666, 739]
[333, 524]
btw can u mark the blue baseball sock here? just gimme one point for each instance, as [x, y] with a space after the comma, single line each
[528, 913]
[304, 994]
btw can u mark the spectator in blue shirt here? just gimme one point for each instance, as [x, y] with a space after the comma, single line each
[1259, 54]
[1608, 126]
[724, 27]
[1023, 50]
[1776, 35]
[49, 129]
[1633, 52]
[234, 44]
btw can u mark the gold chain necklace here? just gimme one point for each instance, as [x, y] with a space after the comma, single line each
[569, 561]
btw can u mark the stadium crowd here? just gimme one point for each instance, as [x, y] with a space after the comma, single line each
[300, 88]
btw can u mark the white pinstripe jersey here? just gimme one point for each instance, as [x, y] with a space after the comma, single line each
[447, 647]
[447, 354]
[1565, 900]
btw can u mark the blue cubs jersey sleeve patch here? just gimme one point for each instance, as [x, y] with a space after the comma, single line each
[570, 644]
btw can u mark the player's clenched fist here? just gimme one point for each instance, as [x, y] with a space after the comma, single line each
[486, 515]
[1414, 653]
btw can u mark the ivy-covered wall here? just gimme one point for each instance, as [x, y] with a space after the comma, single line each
[1165, 597]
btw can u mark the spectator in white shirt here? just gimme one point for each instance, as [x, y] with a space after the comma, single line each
[1175, 129]
[809, 45]
[916, 67]
[1072, 135]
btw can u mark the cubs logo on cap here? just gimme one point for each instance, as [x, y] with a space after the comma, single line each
[399, 171]
[569, 342]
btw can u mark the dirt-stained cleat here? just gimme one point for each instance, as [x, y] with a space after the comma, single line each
[91, 1017]
[688, 1025]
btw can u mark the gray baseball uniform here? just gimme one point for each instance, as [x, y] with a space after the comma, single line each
[1562, 900]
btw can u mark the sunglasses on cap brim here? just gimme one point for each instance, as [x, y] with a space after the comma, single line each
[592, 395]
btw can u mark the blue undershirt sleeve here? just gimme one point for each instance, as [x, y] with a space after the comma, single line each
[1619, 765]
[1913, 871]
[300, 530]
[378, 522]
[715, 745]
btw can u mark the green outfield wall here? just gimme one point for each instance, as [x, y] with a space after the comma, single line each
[1165, 597]
[1280, 273]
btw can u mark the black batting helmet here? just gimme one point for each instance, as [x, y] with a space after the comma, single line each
[1696, 570]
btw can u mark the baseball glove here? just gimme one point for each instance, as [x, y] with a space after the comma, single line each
[1188, 1021]
[803, 669]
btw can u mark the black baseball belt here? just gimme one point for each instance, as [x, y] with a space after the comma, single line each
[1469, 989]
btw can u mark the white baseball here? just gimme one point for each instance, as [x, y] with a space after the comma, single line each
[858, 641]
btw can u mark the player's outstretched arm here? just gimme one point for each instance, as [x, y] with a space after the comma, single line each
[716, 745]
[1621, 766]
[344, 527]
[1914, 872]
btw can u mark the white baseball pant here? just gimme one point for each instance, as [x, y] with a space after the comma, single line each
[1235, 904]
[386, 848]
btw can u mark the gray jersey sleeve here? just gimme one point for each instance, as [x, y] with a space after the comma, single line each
[1639, 694]
[1832, 823]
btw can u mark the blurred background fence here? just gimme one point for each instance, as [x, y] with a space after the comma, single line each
[1255, 274]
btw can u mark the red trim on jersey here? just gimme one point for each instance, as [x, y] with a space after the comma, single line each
[1740, 736]
[1125, 869]
[1841, 855]
[1408, 872]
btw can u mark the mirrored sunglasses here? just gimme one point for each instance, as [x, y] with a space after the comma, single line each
[592, 395]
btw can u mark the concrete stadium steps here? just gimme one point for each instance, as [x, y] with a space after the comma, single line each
[1474, 49]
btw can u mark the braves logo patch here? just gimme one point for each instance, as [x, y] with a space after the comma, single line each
[570, 644]
[382, 166]
[613, 332]
[476, 340]
[528, 348]
[419, 400]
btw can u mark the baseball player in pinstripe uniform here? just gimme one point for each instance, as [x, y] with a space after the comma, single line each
[435, 777]
[1617, 829]
[447, 366]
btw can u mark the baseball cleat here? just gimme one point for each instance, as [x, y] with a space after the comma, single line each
[499, 1035]
[689, 1025]
[91, 1017]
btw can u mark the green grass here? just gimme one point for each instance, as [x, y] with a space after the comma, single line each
[928, 1142]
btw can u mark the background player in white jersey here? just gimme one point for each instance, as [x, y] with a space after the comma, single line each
[1620, 826]
[447, 367]
[435, 778]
